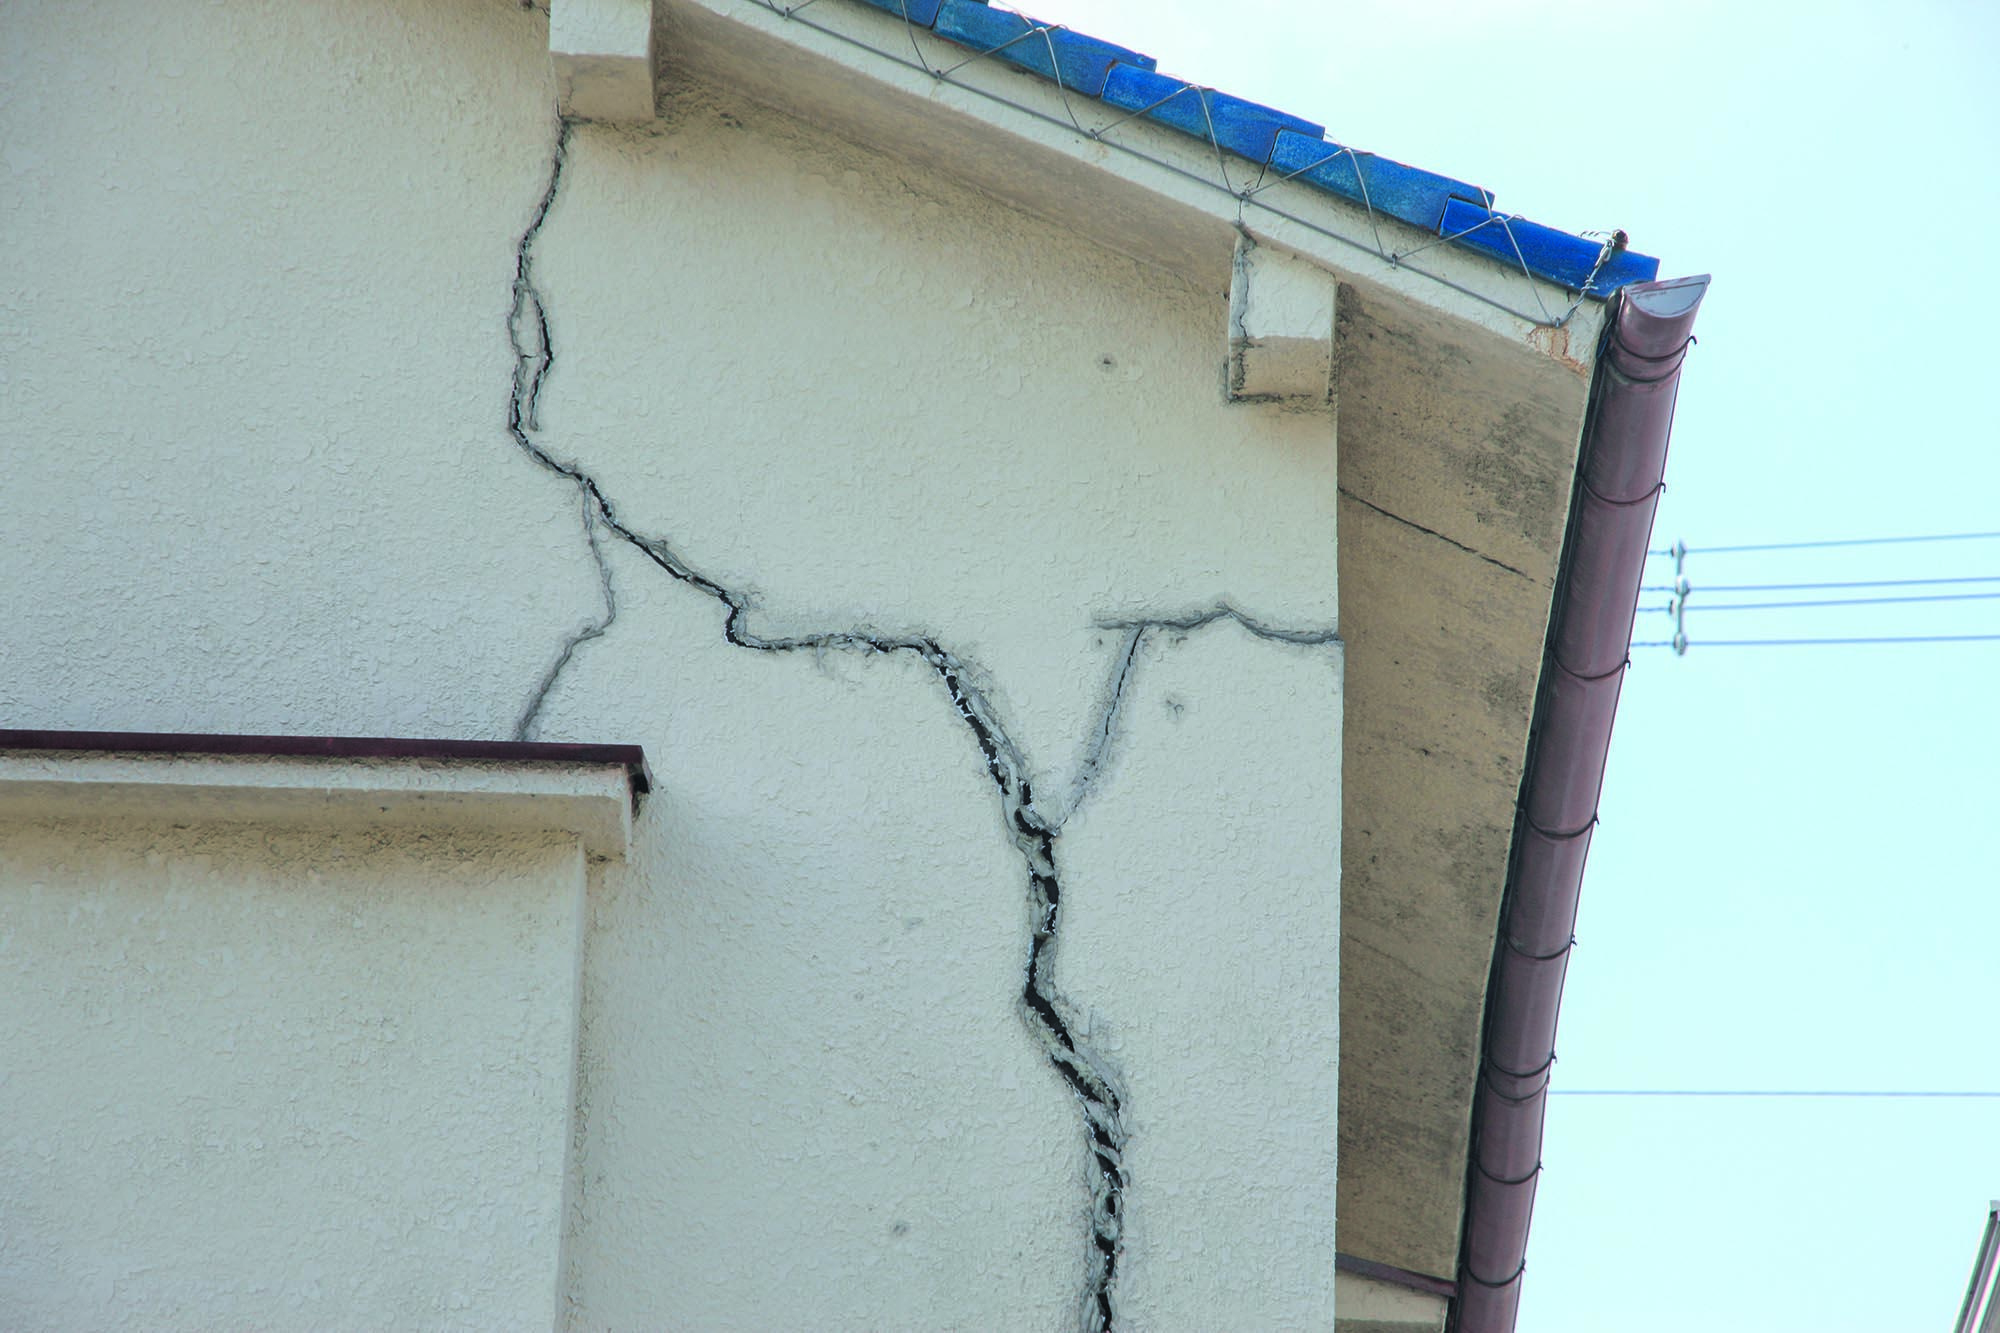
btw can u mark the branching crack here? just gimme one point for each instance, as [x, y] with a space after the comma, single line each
[524, 727]
[1085, 1073]
[1047, 1016]
[1097, 751]
[534, 358]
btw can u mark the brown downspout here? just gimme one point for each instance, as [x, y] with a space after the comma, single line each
[1623, 457]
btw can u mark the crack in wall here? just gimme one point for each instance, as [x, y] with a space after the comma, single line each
[529, 315]
[531, 712]
[1082, 1070]
[1097, 751]
[1048, 1016]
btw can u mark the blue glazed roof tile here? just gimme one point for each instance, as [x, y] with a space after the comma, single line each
[1078, 62]
[1288, 147]
[1242, 127]
[1416, 196]
[1570, 260]
[923, 13]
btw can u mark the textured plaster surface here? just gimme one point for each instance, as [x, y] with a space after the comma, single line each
[252, 476]
[1213, 925]
[927, 453]
[269, 1079]
[957, 430]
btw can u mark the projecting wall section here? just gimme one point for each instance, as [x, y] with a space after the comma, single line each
[860, 500]
[271, 1079]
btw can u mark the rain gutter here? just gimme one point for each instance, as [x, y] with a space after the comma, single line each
[1622, 460]
[1982, 1292]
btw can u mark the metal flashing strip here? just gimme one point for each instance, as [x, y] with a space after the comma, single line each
[631, 758]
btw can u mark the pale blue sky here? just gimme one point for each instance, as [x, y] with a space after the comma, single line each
[1794, 883]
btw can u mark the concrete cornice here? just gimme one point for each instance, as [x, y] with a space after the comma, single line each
[436, 791]
[1127, 180]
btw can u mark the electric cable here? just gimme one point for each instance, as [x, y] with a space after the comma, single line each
[1777, 1092]
[1804, 643]
[1705, 606]
[1822, 545]
[1814, 587]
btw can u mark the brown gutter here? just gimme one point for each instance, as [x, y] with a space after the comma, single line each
[631, 758]
[1982, 1292]
[1624, 456]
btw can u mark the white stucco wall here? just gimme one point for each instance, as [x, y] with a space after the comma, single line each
[258, 1078]
[260, 386]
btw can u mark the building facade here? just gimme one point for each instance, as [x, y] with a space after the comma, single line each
[1082, 625]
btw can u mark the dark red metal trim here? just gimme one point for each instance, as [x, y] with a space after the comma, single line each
[1623, 458]
[631, 758]
[1400, 1277]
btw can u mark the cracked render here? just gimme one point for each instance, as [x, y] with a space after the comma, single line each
[1033, 832]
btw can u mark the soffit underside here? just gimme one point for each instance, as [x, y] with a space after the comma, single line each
[1456, 460]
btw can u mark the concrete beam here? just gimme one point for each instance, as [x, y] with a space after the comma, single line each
[1280, 328]
[602, 51]
[590, 801]
[1365, 1305]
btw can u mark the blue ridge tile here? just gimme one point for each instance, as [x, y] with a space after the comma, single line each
[1080, 63]
[1240, 126]
[1410, 193]
[1549, 253]
[923, 13]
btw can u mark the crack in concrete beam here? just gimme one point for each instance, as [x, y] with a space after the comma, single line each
[1433, 532]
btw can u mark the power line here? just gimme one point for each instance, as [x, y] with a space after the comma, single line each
[1821, 545]
[1775, 1092]
[1705, 607]
[1801, 643]
[1814, 587]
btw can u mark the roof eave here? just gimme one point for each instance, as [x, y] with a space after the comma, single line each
[1160, 195]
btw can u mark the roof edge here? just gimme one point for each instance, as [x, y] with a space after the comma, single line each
[1156, 186]
[1279, 145]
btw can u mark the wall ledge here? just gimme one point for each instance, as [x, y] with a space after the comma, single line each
[333, 782]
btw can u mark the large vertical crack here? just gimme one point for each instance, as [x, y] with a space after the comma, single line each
[1042, 1009]
[531, 712]
[534, 358]
[1046, 1014]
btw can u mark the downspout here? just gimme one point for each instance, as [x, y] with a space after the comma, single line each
[1623, 457]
